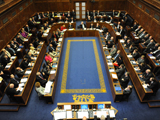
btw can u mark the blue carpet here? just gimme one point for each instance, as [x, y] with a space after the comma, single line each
[39, 110]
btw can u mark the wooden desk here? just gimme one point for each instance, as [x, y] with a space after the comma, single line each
[143, 93]
[25, 94]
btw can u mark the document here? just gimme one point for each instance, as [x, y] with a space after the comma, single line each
[70, 29]
[109, 56]
[100, 113]
[136, 69]
[59, 115]
[48, 87]
[130, 56]
[136, 37]
[21, 85]
[8, 66]
[60, 39]
[111, 70]
[45, 34]
[25, 39]
[69, 114]
[53, 72]
[111, 113]
[152, 57]
[114, 76]
[24, 79]
[19, 49]
[110, 63]
[145, 85]
[67, 107]
[117, 33]
[105, 48]
[82, 114]
[28, 72]
[31, 64]
[13, 57]
[121, 41]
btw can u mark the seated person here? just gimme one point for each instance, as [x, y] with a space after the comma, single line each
[128, 43]
[24, 64]
[14, 80]
[5, 52]
[134, 26]
[41, 79]
[141, 60]
[124, 80]
[66, 20]
[63, 28]
[40, 89]
[143, 67]
[45, 26]
[72, 20]
[60, 20]
[107, 36]
[147, 75]
[101, 19]
[19, 72]
[113, 50]
[109, 45]
[11, 50]
[120, 71]
[153, 84]
[47, 71]
[82, 25]
[135, 54]
[24, 34]
[51, 22]
[11, 90]
[36, 43]
[127, 91]
[91, 26]
[98, 13]
[94, 19]
[29, 57]
[132, 48]
[97, 26]
[156, 51]
[14, 46]
[118, 61]
[116, 55]
[111, 20]
[5, 60]
[70, 26]
[151, 48]
[89, 19]
[48, 58]
[104, 29]
[54, 43]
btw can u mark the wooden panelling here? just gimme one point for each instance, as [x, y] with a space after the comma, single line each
[147, 20]
[16, 22]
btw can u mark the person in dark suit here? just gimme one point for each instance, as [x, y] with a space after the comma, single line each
[11, 90]
[68, 14]
[14, 80]
[101, 19]
[31, 24]
[14, 46]
[135, 26]
[54, 43]
[91, 26]
[104, 29]
[87, 13]
[128, 43]
[60, 20]
[36, 43]
[118, 26]
[132, 48]
[82, 25]
[5, 60]
[72, 20]
[39, 17]
[124, 80]
[98, 13]
[51, 21]
[39, 35]
[135, 54]
[27, 29]
[107, 36]
[97, 26]
[111, 20]
[19, 72]
[156, 51]
[150, 45]
[154, 85]
[147, 75]
[118, 62]
[116, 55]
[66, 20]
[121, 31]
[143, 67]
[89, 19]
[94, 19]
[24, 64]
[19, 40]
[47, 71]
[70, 26]
[41, 79]
[126, 92]
[120, 71]
[141, 59]
[73, 14]
[29, 57]
[109, 45]
[11, 50]
[94, 13]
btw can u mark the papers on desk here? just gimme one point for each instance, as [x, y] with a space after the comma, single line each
[34, 58]
[45, 34]
[109, 56]
[59, 45]
[21, 85]
[111, 24]
[59, 115]
[107, 22]
[111, 113]
[117, 33]
[152, 57]
[100, 113]
[69, 114]
[19, 49]
[82, 114]
[145, 85]
[37, 52]
[28, 72]
[54, 59]
[136, 37]
[29, 34]
[129, 56]
[48, 87]
[67, 107]
[13, 57]
[25, 39]
[71, 29]
[10, 63]
[133, 62]
[60, 39]
[136, 69]
[111, 70]
[19, 89]
[121, 41]
[114, 76]
[110, 63]
[23, 80]
[8, 66]
[31, 64]
[105, 48]
[53, 72]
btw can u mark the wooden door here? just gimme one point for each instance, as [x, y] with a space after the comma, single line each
[80, 8]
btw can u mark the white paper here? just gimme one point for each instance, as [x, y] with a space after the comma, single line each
[152, 57]
[21, 85]
[136, 37]
[24, 79]
[25, 39]
[109, 56]
[117, 33]
[111, 70]
[105, 48]
[67, 107]
[82, 114]
[69, 114]
[60, 115]
[31, 64]
[19, 49]
[110, 63]
[130, 56]
[8, 66]
[111, 113]
[133, 62]
[145, 85]
[136, 69]
[100, 113]
[13, 57]
[60, 39]
[114, 76]
[121, 41]
[70, 29]
[48, 87]
[52, 72]
[28, 72]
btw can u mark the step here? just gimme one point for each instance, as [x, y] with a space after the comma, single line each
[154, 104]
[9, 108]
